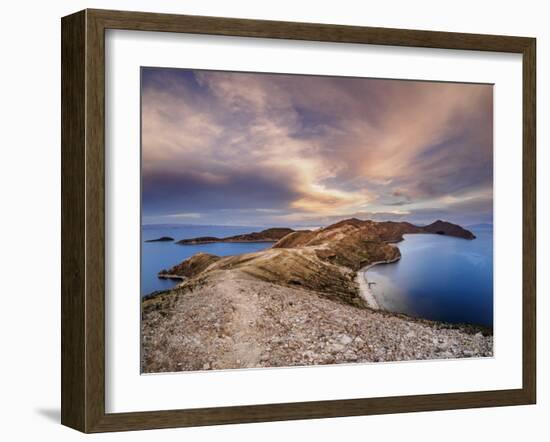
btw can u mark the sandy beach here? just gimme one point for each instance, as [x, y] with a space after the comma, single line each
[364, 290]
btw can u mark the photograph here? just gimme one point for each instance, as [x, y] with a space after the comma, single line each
[293, 220]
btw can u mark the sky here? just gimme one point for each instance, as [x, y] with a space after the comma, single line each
[254, 149]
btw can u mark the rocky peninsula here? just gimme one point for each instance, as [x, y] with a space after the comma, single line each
[297, 303]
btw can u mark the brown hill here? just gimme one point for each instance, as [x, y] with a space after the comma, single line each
[444, 228]
[385, 231]
[324, 260]
[191, 266]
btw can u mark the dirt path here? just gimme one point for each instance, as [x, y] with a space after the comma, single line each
[245, 350]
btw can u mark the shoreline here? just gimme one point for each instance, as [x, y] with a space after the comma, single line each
[364, 291]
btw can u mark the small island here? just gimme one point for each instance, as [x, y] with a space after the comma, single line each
[161, 239]
[299, 302]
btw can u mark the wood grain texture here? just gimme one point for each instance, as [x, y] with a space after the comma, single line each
[95, 222]
[144, 21]
[73, 253]
[529, 221]
[83, 220]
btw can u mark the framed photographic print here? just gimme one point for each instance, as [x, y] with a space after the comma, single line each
[269, 220]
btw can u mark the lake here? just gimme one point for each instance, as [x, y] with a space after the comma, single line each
[439, 277]
[156, 256]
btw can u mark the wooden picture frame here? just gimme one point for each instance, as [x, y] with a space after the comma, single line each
[83, 220]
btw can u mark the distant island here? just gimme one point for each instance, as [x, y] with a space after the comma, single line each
[269, 235]
[161, 239]
[299, 302]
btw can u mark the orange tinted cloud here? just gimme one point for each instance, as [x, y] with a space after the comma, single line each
[331, 145]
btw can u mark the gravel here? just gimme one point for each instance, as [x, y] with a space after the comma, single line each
[234, 321]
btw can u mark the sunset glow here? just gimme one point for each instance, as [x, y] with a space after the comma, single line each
[271, 149]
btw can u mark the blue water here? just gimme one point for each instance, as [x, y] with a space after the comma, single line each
[156, 256]
[440, 278]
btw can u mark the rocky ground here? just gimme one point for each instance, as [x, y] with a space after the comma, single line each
[233, 320]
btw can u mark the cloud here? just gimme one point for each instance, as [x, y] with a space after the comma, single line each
[311, 146]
